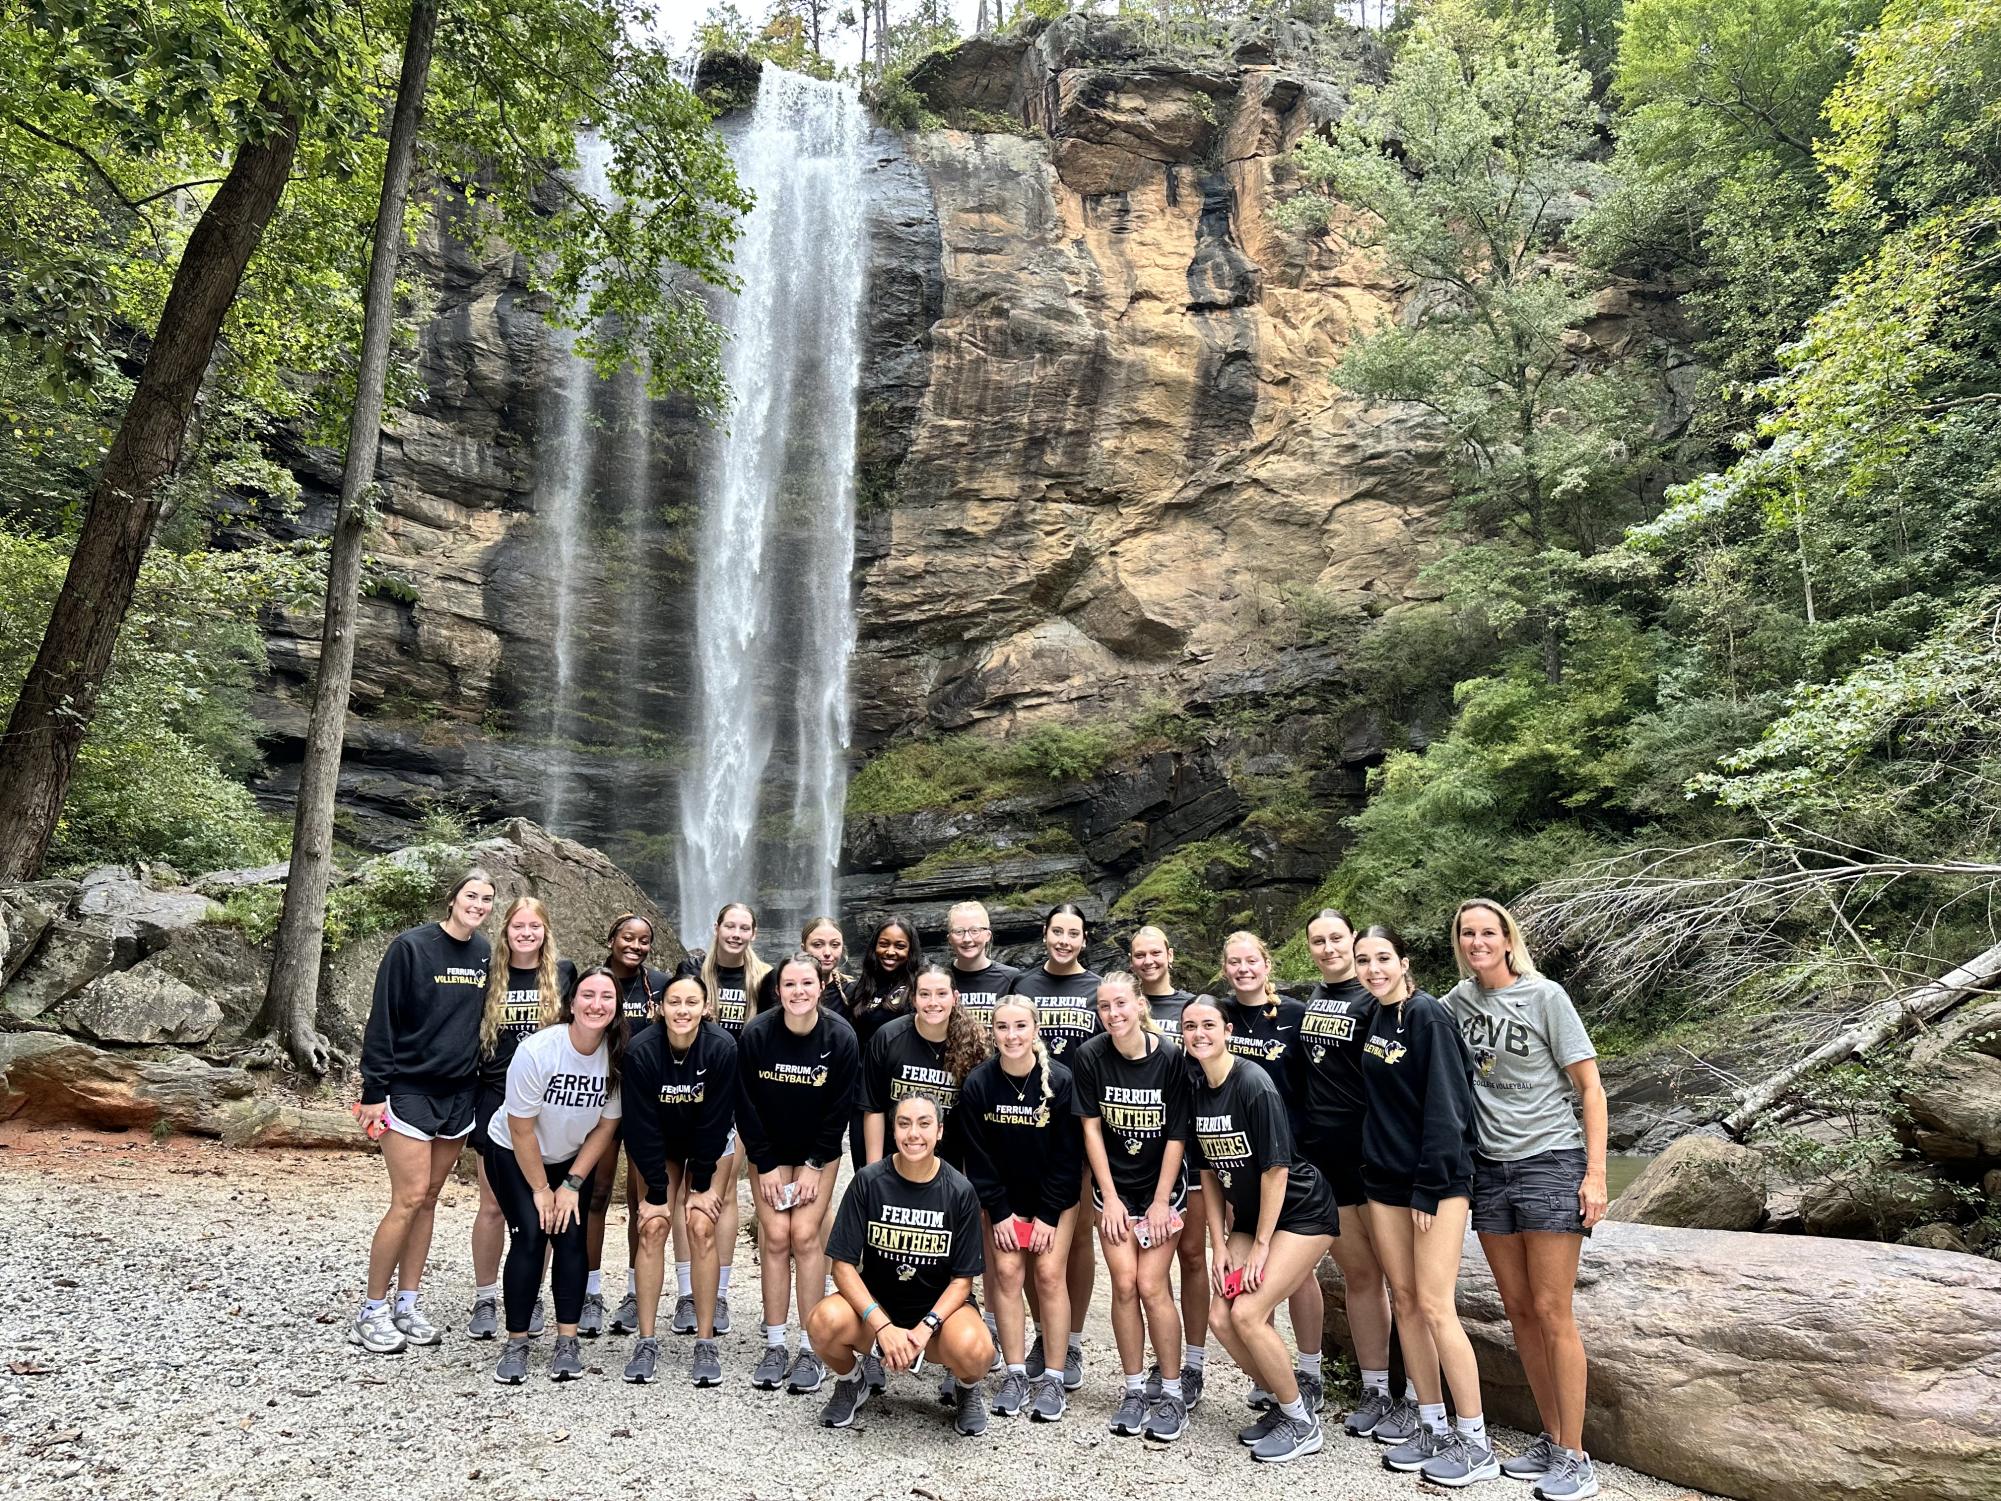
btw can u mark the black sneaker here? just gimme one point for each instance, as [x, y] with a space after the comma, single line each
[849, 1395]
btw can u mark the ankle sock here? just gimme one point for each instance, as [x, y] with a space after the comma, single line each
[723, 1282]
[684, 1279]
[1376, 1381]
[1077, 1344]
[1136, 1383]
[1409, 1390]
[1474, 1429]
[594, 1285]
[1432, 1415]
[1017, 1368]
[1171, 1388]
[1296, 1410]
[374, 1305]
[492, 1291]
[1194, 1358]
[406, 1302]
[775, 1335]
[1309, 1365]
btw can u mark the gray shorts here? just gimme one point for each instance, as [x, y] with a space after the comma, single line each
[1536, 1193]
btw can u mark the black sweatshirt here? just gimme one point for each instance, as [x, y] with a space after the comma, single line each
[1327, 1064]
[878, 1014]
[1022, 1158]
[679, 1107]
[520, 1017]
[1066, 1005]
[422, 1035]
[1418, 1129]
[638, 995]
[795, 1094]
[1266, 1036]
[980, 988]
[1140, 1104]
[1241, 1132]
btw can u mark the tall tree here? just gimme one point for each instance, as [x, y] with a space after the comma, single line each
[290, 1002]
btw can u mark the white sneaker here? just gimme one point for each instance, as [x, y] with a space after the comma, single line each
[377, 1332]
[416, 1328]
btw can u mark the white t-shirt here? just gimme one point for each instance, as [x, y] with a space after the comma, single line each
[561, 1090]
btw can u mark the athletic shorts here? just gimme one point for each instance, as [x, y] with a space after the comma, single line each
[1534, 1193]
[1340, 1168]
[1178, 1203]
[433, 1117]
[1401, 1193]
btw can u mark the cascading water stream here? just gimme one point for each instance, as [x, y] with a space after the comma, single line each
[774, 626]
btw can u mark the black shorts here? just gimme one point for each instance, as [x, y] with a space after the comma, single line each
[485, 1103]
[1534, 1193]
[1340, 1168]
[1400, 1193]
[432, 1117]
[1177, 1203]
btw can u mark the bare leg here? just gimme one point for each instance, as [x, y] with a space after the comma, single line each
[1552, 1263]
[1128, 1328]
[489, 1233]
[1244, 1324]
[1007, 1276]
[774, 1255]
[409, 1164]
[1156, 1296]
[650, 1261]
[1192, 1251]
[704, 1260]
[1391, 1229]
[1436, 1252]
[810, 1223]
[600, 1210]
[1367, 1292]
[1049, 1276]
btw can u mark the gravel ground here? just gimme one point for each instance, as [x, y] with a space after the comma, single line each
[173, 1324]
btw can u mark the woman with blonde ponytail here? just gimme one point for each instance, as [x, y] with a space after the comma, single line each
[1024, 1152]
[523, 995]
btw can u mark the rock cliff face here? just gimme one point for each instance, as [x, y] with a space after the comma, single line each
[1103, 474]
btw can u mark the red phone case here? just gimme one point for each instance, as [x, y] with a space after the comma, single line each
[1233, 1282]
[1024, 1232]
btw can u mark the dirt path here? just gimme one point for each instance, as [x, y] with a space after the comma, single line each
[173, 1325]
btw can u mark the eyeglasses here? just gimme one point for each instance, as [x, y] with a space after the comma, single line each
[970, 932]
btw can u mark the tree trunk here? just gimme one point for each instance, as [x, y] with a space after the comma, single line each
[1879, 1023]
[881, 37]
[58, 697]
[291, 1001]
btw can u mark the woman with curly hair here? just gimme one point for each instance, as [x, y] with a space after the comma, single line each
[928, 1052]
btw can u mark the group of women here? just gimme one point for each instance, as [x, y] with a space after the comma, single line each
[1008, 1129]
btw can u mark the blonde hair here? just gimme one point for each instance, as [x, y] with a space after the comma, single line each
[496, 975]
[1244, 935]
[754, 968]
[1146, 1018]
[1027, 1004]
[1519, 962]
[1150, 931]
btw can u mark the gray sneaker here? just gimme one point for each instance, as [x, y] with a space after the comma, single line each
[1460, 1461]
[645, 1361]
[416, 1328]
[971, 1418]
[723, 1314]
[1191, 1386]
[684, 1315]
[947, 1397]
[1129, 1421]
[769, 1374]
[1289, 1439]
[1153, 1388]
[590, 1323]
[377, 1332]
[1073, 1368]
[849, 1395]
[566, 1361]
[536, 1323]
[1534, 1462]
[1036, 1364]
[1257, 1432]
[1313, 1392]
[1167, 1421]
[1399, 1425]
[806, 1374]
[1572, 1478]
[1046, 1402]
[626, 1320]
[513, 1367]
[872, 1372]
[705, 1366]
[485, 1320]
[1011, 1395]
[1420, 1450]
[1259, 1400]
[1375, 1406]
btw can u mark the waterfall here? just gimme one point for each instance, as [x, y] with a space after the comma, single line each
[762, 798]
[560, 495]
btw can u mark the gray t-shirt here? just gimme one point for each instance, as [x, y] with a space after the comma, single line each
[1522, 1037]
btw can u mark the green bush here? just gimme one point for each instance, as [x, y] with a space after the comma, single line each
[1190, 894]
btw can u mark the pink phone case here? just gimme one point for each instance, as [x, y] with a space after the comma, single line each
[1024, 1232]
[1233, 1282]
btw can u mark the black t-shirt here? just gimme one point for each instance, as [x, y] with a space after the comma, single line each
[1065, 1005]
[423, 1023]
[877, 1014]
[910, 1241]
[520, 1017]
[1241, 1131]
[1167, 1009]
[1024, 1151]
[902, 1062]
[638, 995]
[1266, 1036]
[733, 1003]
[979, 989]
[1140, 1104]
[1327, 1063]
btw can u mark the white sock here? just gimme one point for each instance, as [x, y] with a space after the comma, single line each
[777, 1334]
[594, 1285]
[1136, 1383]
[1309, 1365]
[406, 1302]
[964, 1386]
[805, 1341]
[1194, 1357]
[492, 1290]
[1171, 1388]
[1296, 1410]
[1473, 1429]
[1432, 1415]
[1376, 1381]
[1409, 1390]
[723, 1283]
[374, 1305]
[684, 1278]
[632, 1280]
[1077, 1343]
[1017, 1369]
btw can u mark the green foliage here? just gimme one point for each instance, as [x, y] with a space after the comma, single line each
[970, 769]
[381, 895]
[1192, 895]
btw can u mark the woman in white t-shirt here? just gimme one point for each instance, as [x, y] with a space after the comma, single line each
[559, 1121]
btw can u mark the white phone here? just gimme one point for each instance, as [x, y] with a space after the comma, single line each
[788, 1196]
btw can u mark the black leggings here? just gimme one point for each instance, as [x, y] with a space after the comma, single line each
[521, 1277]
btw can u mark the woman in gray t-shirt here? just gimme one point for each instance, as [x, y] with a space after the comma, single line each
[1539, 1174]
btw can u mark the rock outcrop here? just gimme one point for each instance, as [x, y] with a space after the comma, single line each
[1770, 1368]
[1700, 1183]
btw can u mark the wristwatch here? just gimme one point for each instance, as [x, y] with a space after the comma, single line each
[931, 1321]
[813, 1166]
[573, 1183]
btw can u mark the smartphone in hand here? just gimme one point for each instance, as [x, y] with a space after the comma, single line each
[376, 1129]
[1233, 1282]
[1024, 1232]
[788, 1196]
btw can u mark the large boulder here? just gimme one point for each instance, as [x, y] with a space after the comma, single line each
[1769, 1368]
[220, 962]
[25, 914]
[1701, 1182]
[1956, 1110]
[1872, 1203]
[50, 1079]
[72, 953]
[142, 1005]
[136, 909]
